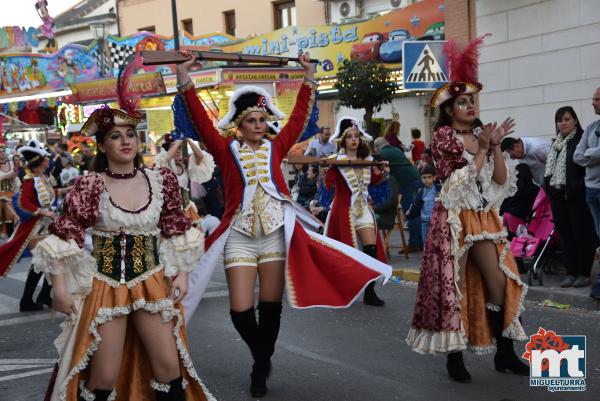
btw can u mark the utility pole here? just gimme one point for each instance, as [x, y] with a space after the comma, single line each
[175, 24]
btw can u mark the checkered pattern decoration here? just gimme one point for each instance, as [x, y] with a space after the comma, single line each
[118, 56]
[119, 53]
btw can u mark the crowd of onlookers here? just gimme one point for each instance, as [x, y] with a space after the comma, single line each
[567, 168]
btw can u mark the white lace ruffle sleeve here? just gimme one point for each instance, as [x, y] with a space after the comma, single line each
[54, 256]
[181, 252]
[201, 173]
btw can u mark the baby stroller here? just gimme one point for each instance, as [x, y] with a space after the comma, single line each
[536, 245]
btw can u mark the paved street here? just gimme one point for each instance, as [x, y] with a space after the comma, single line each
[323, 355]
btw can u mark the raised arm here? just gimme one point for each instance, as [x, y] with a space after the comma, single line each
[203, 124]
[301, 114]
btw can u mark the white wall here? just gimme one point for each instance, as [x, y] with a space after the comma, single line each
[543, 54]
[412, 114]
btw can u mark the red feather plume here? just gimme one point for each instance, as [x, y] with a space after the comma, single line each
[463, 66]
[127, 102]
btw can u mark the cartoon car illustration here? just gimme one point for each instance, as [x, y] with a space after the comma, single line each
[368, 49]
[391, 51]
[434, 32]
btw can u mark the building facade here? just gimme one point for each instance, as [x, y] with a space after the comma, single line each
[77, 24]
[237, 18]
[542, 55]
[202, 17]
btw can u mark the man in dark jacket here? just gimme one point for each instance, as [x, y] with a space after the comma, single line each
[408, 180]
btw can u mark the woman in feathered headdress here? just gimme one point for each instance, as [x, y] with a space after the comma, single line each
[351, 219]
[470, 294]
[124, 337]
[262, 233]
[197, 168]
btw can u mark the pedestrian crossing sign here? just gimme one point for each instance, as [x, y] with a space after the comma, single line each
[424, 65]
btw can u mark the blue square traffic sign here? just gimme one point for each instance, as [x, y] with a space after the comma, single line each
[424, 65]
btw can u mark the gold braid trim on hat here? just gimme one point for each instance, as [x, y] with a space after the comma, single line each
[243, 114]
[33, 159]
[341, 138]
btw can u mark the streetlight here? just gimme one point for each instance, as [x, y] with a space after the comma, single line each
[99, 31]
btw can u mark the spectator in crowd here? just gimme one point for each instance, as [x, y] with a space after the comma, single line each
[61, 157]
[426, 160]
[384, 195]
[520, 205]
[392, 136]
[321, 204]
[86, 158]
[321, 147]
[565, 185]
[68, 174]
[214, 200]
[408, 180]
[208, 222]
[587, 154]
[424, 200]
[307, 185]
[531, 151]
[417, 146]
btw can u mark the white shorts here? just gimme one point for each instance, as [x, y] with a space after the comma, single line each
[366, 220]
[241, 250]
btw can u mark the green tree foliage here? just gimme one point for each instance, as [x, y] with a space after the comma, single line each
[365, 85]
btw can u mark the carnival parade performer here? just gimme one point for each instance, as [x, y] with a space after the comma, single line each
[9, 185]
[124, 337]
[351, 219]
[469, 294]
[34, 204]
[261, 232]
[197, 168]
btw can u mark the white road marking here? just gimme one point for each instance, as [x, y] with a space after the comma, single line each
[8, 368]
[26, 374]
[26, 319]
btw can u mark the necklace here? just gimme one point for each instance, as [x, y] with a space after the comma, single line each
[120, 176]
[464, 131]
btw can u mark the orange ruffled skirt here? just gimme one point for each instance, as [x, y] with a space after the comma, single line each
[481, 225]
[105, 303]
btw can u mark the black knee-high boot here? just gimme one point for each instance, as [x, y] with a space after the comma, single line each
[27, 304]
[245, 324]
[505, 357]
[269, 318]
[456, 368]
[370, 297]
[173, 391]
[44, 297]
[269, 321]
